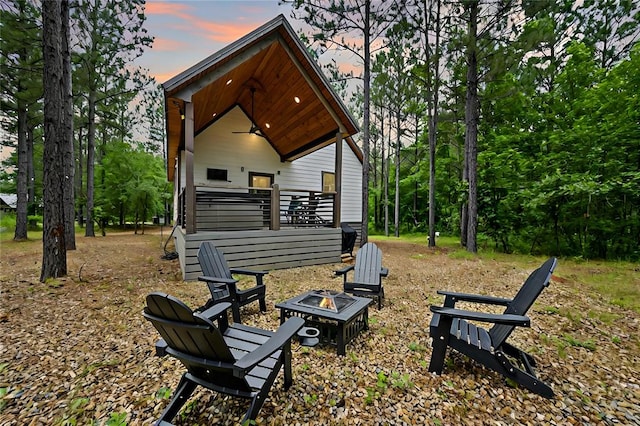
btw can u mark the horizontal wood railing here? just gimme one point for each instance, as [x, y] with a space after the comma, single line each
[251, 208]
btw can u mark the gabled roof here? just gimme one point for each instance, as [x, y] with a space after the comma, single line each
[294, 104]
[10, 200]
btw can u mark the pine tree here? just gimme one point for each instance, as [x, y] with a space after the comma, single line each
[54, 252]
[338, 22]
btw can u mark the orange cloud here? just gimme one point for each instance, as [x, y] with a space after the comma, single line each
[216, 31]
[167, 45]
[225, 33]
[164, 8]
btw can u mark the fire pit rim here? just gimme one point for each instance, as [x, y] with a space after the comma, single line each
[325, 294]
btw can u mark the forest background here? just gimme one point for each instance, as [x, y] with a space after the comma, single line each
[518, 120]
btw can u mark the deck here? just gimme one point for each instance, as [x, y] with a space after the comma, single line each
[260, 228]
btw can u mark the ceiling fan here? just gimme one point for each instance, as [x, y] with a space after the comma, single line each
[254, 129]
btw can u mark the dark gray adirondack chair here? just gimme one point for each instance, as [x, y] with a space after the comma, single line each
[367, 274]
[223, 287]
[449, 327]
[235, 359]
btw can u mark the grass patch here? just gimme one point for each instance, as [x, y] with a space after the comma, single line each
[587, 344]
[618, 282]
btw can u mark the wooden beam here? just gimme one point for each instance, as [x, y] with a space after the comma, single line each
[190, 189]
[310, 145]
[337, 202]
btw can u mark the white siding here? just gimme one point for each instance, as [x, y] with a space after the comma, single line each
[224, 150]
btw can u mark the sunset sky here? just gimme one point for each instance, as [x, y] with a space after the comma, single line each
[188, 31]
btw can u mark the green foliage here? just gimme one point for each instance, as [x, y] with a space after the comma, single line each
[3, 402]
[310, 399]
[417, 347]
[117, 419]
[587, 344]
[163, 393]
[134, 186]
[401, 381]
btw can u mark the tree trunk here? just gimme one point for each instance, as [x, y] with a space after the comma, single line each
[91, 152]
[79, 182]
[396, 208]
[67, 135]
[31, 174]
[366, 121]
[471, 137]
[54, 251]
[386, 187]
[433, 129]
[22, 192]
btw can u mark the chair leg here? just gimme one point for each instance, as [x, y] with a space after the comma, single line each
[263, 305]
[180, 396]
[286, 365]
[235, 312]
[255, 406]
[523, 378]
[440, 329]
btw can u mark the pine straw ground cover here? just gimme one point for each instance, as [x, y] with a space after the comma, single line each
[78, 351]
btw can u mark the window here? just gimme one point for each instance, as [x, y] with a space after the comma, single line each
[260, 180]
[216, 174]
[328, 182]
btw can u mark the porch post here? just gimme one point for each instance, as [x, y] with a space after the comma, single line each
[337, 202]
[190, 190]
[275, 207]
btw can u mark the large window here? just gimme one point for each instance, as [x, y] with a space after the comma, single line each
[328, 182]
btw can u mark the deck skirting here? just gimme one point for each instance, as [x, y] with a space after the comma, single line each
[262, 249]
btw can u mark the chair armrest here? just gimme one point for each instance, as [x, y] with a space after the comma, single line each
[343, 270]
[214, 311]
[247, 272]
[506, 319]
[217, 280]
[283, 335]
[384, 272]
[197, 360]
[477, 298]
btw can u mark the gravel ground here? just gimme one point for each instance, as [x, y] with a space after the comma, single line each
[77, 350]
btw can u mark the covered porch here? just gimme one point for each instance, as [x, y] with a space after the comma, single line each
[255, 109]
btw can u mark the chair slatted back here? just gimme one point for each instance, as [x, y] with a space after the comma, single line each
[528, 293]
[212, 261]
[368, 265]
[191, 340]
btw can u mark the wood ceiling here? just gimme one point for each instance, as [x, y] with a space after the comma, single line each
[294, 105]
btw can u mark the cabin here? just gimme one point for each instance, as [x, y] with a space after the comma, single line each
[8, 202]
[261, 155]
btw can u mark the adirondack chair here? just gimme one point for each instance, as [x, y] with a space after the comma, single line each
[449, 327]
[223, 287]
[367, 274]
[235, 359]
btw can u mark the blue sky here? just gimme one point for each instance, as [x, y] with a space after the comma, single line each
[188, 31]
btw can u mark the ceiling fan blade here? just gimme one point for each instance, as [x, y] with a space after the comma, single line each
[254, 129]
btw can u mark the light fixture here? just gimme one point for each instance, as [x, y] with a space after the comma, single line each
[296, 99]
[242, 169]
[229, 81]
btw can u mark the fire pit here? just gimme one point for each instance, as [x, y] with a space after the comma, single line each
[339, 317]
[327, 299]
